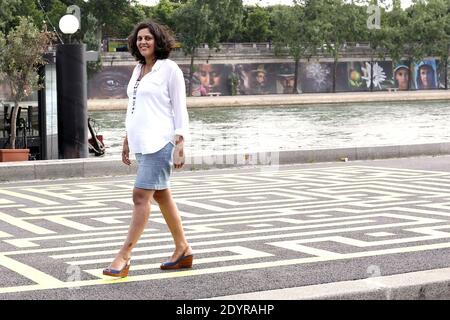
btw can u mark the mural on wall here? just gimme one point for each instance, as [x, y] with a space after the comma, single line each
[278, 78]
[356, 75]
[401, 74]
[268, 78]
[425, 75]
[441, 74]
[259, 81]
[380, 72]
[286, 79]
[211, 79]
[256, 78]
[349, 76]
[110, 83]
[316, 76]
[185, 69]
[445, 74]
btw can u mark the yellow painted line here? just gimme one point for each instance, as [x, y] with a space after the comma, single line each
[242, 253]
[109, 220]
[21, 243]
[71, 224]
[155, 266]
[19, 223]
[223, 234]
[28, 242]
[29, 272]
[110, 212]
[75, 185]
[12, 206]
[196, 272]
[68, 209]
[27, 197]
[4, 234]
[214, 242]
[51, 194]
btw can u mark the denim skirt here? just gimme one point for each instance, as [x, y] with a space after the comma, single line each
[154, 169]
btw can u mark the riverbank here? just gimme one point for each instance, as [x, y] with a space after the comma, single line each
[281, 100]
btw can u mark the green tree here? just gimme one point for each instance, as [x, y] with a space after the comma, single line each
[225, 19]
[200, 21]
[21, 54]
[111, 16]
[394, 25]
[12, 10]
[92, 38]
[191, 30]
[399, 40]
[7, 10]
[257, 25]
[291, 31]
[134, 14]
[336, 22]
[163, 13]
[427, 33]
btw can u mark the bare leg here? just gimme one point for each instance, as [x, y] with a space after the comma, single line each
[141, 212]
[170, 213]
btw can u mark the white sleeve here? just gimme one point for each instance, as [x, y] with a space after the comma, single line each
[177, 93]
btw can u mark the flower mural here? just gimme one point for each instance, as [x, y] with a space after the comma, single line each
[379, 76]
[318, 73]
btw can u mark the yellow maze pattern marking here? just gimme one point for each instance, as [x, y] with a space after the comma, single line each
[234, 221]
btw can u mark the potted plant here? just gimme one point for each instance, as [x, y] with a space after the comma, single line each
[21, 55]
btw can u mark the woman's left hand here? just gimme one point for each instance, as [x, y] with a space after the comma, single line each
[178, 154]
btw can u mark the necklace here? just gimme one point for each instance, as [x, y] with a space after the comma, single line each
[143, 73]
[134, 95]
[136, 85]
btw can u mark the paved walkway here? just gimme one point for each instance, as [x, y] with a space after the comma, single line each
[289, 99]
[339, 227]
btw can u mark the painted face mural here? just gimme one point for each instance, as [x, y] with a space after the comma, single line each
[279, 78]
[255, 78]
[259, 84]
[286, 79]
[401, 77]
[110, 82]
[210, 79]
[209, 76]
[426, 75]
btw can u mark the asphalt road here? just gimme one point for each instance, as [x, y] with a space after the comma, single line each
[251, 229]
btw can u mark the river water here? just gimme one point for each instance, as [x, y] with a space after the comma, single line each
[255, 129]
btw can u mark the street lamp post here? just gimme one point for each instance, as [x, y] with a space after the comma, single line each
[71, 93]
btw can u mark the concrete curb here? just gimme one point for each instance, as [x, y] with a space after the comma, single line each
[95, 167]
[420, 285]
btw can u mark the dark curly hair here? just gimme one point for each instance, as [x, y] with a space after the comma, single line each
[164, 40]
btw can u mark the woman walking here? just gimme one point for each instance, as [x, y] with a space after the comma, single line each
[156, 127]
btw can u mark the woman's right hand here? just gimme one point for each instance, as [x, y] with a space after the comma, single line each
[126, 152]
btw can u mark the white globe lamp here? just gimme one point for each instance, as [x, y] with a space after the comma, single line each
[69, 24]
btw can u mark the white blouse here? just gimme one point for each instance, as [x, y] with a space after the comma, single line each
[156, 107]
